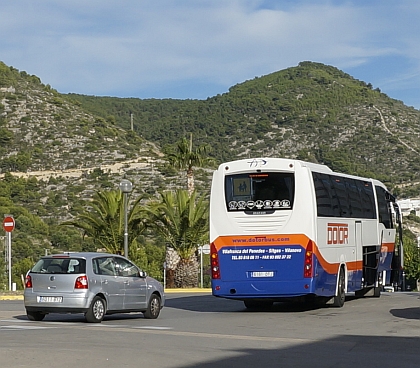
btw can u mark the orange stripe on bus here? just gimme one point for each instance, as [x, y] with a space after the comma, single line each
[284, 240]
[246, 241]
[390, 246]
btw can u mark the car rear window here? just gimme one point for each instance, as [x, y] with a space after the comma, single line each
[60, 265]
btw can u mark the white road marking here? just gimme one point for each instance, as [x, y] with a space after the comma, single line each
[27, 327]
[153, 327]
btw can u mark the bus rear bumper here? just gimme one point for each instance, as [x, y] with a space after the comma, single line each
[262, 289]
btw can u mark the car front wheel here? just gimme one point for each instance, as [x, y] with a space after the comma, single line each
[153, 308]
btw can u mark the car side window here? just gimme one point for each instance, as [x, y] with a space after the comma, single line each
[95, 266]
[126, 268]
[105, 266]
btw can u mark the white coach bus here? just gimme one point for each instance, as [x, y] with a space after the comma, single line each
[284, 228]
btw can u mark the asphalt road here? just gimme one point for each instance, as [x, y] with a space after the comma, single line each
[199, 330]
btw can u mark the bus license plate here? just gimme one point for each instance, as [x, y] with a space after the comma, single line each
[262, 274]
[50, 299]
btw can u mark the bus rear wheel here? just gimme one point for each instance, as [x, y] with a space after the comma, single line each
[340, 298]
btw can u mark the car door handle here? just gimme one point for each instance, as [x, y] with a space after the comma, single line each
[126, 282]
[105, 281]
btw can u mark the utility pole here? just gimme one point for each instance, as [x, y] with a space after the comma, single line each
[131, 119]
[126, 187]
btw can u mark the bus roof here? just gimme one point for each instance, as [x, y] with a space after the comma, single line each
[260, 163]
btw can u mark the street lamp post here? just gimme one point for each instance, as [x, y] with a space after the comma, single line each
[126, 187]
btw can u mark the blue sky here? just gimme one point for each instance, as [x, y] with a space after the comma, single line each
[199, 48]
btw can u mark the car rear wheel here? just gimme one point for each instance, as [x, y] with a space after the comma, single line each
[96, 311]
[35, 316]
[153, 308]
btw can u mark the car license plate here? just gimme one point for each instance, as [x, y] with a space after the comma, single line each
[50, 299]
[262, 274]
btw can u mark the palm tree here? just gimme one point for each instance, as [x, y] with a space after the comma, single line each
[186, 158]
[103, 221]
[182, 221]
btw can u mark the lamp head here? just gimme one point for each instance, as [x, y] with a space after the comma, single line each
[126, 186]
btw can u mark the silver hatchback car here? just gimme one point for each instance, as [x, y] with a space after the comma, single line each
[95, 284]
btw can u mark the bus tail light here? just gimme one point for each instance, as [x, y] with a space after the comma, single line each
[309, 260]
[81, 282]
[28, 282]
[214, 258]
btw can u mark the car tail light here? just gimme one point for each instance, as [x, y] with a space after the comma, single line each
[28, 282]
[309, 260]
[81, 282]
[214, 257]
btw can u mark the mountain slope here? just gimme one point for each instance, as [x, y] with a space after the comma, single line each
[57, 150]
[41, 130]
[66, 152]
[311, 111]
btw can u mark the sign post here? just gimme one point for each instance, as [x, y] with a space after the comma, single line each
[8, 223]
[8, 226]
[203, 249]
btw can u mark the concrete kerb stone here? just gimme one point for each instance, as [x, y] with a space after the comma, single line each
[6, 296]
[11, 297]
[189, 290]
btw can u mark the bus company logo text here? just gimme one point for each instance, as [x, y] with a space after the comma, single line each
[257, 162]
[260, 239]
[337, 233]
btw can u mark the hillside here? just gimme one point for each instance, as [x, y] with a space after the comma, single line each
[311, 111]
[68, 151]
[40, 130]
[56, 150]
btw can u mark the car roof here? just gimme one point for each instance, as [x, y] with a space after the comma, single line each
[81, 255]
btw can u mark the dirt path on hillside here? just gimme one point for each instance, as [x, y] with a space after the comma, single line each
[390, 132]
[77, 173]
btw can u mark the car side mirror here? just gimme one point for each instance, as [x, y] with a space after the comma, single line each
[143, 273]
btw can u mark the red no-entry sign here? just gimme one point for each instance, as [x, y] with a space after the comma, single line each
[8, 224]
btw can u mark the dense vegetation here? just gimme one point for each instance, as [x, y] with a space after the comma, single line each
[312, 111]
[153, 225]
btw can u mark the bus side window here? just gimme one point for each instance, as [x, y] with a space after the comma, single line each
[384, 212]
[355, 201]
[323, 202]
[342, 197]
[326, 199]
[368, 200]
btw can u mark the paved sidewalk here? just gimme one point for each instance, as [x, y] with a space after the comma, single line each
[11, 295]
[189, 290]
[18, 295]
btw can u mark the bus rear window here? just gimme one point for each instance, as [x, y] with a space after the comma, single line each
[259, 191]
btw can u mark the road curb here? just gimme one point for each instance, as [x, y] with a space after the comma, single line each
[167, 291]
[11, 297]
[191, 290]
